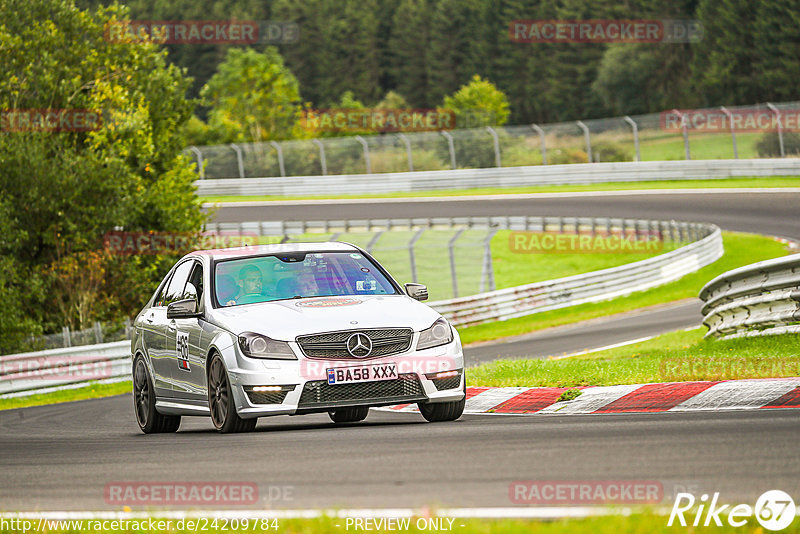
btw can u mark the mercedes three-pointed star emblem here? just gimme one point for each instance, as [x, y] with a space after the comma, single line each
[359, 345]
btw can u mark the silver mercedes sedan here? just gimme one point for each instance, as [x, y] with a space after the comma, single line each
[290, 329]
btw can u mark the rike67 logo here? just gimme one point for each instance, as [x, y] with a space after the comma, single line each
[774, 510]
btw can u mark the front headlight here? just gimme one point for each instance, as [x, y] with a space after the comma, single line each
[438, 334]
[258, 346]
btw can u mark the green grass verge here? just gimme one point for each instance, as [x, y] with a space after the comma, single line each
[674, 357]
[637, 523]
[740, 249]
[778, 181]
[91, 391]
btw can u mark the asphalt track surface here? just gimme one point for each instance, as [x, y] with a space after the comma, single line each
[61, 457]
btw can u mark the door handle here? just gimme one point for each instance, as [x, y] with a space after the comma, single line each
[151, 318]
[172, 326]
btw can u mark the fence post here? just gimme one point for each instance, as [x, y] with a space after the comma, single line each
[497, 162]
[366, 153]
[411, 254]
[777, 113]
[239, 160]
[65, 335]
[733, 131]
[408, 151]
[451, 248]
[685, 133]
[452, 148]
[98, 332]
[536, 128]
[371, 244]
[128, 327]
[487, 272]
[587, 138]
[322, 161]
[199, 156]
[635, 136]
[279, 150]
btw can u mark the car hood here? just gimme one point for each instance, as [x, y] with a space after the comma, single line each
[286, 319]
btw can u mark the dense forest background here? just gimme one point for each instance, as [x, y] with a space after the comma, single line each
[426, 49]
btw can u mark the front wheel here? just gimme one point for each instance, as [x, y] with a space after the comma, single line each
[144, 403]
[349, 415]
[220, 401]
[443, 411]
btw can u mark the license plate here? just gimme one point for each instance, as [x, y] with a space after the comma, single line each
[363, 373]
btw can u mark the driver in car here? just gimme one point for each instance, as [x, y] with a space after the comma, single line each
[250, 284]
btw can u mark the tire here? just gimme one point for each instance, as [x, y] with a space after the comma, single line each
[220, 401]
[443, 411]
[349, 415]
[144, 403]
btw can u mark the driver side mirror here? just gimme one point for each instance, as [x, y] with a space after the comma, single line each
[182, 309]
[417, 291]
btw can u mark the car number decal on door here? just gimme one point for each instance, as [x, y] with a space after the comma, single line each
[182, 349]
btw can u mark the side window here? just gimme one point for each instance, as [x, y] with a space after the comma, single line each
[175, 287]
[159, 300]
[194, 289]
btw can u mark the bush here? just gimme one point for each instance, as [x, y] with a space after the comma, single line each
[608, 151]
[769, 145]
[570, 155]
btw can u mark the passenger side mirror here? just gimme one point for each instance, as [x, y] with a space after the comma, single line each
[417, 291]
[181, 309]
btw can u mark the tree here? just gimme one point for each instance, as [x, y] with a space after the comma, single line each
[253, 97]
[408, 50]
[478, 100]
[777, 45]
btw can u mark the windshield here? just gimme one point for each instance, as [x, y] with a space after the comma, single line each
[297, 275]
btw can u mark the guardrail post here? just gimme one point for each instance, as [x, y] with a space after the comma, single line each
[239, 160]
[451, 248]
[635, 136]
[366, 153]
[777, 113]
[322, 161]
[733, 131]
[685, 132]
[279, 150]
[411, 254]
[536, 128]
[587, 138]
[496, 141]
[408, 151]
[65, 335]
[452, 148]
[200, 170]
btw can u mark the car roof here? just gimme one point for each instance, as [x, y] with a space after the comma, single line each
[257, 250]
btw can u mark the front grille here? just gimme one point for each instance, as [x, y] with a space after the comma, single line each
[319, 393]
[450, 382]
[267, 397]
[333, 345]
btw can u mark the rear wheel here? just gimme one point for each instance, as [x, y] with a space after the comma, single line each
[349, 415]
[220, 401]
[443, 411]
[144, 403]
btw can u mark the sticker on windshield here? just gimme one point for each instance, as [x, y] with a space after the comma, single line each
[366, 285]
[328, 302]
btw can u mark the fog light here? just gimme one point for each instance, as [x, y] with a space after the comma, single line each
[443, 374]
[268, 389]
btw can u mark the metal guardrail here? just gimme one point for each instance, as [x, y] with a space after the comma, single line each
[46, 369]
[501, 177]
[754, 300]
[590, 287]
[39, 371]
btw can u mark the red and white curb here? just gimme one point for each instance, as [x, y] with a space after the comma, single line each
[642, 398]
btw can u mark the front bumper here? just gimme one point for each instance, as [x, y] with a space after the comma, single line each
[304, 387]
